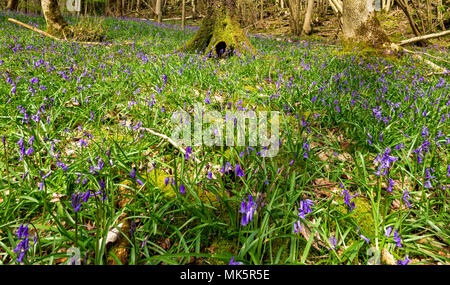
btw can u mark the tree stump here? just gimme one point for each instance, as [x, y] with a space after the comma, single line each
[219, 34]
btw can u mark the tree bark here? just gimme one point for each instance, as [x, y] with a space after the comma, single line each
[295, 10]
[56, 25]
[183, 10]
[361, 25]
[119, 11]
[308, 16]
[219, 34]
[12, 5]
[158, 10]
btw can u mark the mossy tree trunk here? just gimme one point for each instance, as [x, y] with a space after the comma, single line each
[219, 34]
[360, 24]
[12, 5]
[56, 25]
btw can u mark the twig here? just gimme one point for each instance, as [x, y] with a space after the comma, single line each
[425, 37]
[415, 55]
[169, 140]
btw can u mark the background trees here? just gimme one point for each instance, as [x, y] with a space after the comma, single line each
[283, 17]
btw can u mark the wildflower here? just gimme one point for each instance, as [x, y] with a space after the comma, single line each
[133, 173]
[403, 262]
[209, 175]
[166, 180]
[365, 238]
[188, 152]
[248, 210]
[391, 183]
[333, 242]
[397, 239]
[404, 198]
[182, 189]
[297, 227]
[232, 262]
[305, 208]
[226, 167]
[347, 199]
[76, 203]
[385, 162]
[239, 171]
[23, 245]
[388, 232]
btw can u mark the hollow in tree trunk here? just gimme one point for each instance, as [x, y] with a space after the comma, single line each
[219, 34]
[12, 5]
[360, 24]
[56, 25]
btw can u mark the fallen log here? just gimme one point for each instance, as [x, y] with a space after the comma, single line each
[424, 37]
[34, 29]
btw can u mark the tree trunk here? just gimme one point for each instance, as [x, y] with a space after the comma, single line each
[158, 10]
[194, 13]
[183, 10]
[295, 10]
[119, 12]
[12, 5]
[361, 25]
[308, 16]
[219, 34]
[56, 25]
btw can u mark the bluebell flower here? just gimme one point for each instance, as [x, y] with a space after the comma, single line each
[247, 210]
[333, 242]
[397, 239]
[388, 232]
[305, 208]
[297, 227]
[403, 262]
[239, 171]
[385, 162]
[232, 262]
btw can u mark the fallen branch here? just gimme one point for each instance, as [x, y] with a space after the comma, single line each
[170, 141]
[34, 29]
[415, 55]
[421, 38]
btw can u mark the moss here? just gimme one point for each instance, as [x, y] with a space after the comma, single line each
[158, 178]
[221, 247]
[361, 215]
[220, 35]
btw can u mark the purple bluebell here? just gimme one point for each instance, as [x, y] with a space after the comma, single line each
[305, 208]
[403, 262]
[239, 171]
[404, 198]
[247, 210]
[232, 262]
[297, 227]
[388, 232]
[397, 239]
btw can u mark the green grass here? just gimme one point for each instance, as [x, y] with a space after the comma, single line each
[326, 97]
